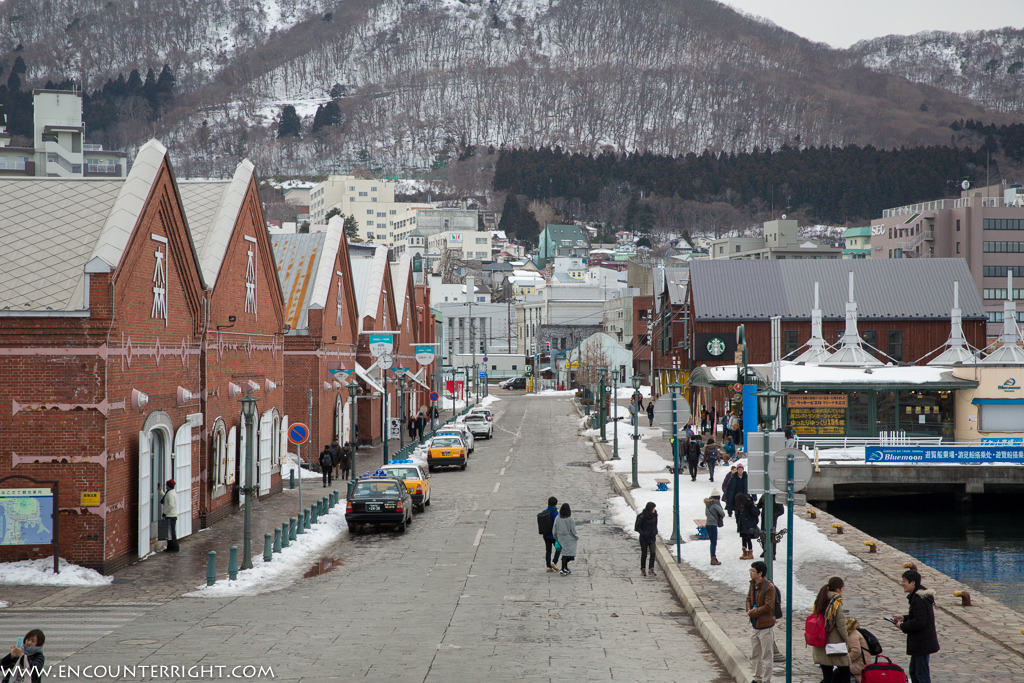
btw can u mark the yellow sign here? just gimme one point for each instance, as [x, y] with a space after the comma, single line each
[816, 401]
[574, 365]
[90, 499]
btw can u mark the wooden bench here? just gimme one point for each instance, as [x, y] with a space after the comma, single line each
[702, 532]
[662, 484]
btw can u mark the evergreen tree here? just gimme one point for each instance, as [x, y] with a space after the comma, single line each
[351, 227]
[290, 123]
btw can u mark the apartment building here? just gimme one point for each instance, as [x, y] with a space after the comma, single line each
[370, 201]
[780, 241]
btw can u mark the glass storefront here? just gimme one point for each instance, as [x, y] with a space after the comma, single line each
[916, 412]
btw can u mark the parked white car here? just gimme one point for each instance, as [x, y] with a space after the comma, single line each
[479, 425]
[460, 430]
[480, 410]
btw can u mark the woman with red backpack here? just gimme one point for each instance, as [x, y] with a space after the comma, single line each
[833, 654]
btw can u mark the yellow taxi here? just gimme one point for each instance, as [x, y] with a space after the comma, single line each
[447, 451]
[415, 480]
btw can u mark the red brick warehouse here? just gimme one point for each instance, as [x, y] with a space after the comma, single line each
[243, 340]
[101, 302]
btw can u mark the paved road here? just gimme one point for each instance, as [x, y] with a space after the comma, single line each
[463, 593]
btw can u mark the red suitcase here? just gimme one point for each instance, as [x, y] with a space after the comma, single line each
[883, 672]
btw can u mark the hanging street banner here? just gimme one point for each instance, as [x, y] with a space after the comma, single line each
[964, 455]
[424, 355]
[381, 344]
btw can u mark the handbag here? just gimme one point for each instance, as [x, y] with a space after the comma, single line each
[558, 546]
[163, 530]
[836, 649]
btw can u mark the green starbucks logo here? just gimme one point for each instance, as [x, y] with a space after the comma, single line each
[716, 347]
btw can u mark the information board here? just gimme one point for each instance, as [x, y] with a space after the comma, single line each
[944, 454]
[821, 414]
[26, 516]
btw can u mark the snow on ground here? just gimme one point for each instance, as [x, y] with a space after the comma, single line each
[285, 567]
[488, 400]
[553, 392]
[3, 604]
[40, 573]
[293, 464]
[813, 546]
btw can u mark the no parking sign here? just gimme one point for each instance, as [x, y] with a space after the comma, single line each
[298, 433]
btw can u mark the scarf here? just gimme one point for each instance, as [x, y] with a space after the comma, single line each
[830, 611]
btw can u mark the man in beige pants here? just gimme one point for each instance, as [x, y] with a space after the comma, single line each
[761, 597]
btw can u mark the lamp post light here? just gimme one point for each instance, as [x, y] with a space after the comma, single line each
[675, 388]
[615, 416]
[768, 400]
[602, 411]
[635, 484]
[248, 411]
[402, 382]
[353, 389]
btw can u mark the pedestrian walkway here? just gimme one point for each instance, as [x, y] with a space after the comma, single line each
[70, 629]
[979, 643]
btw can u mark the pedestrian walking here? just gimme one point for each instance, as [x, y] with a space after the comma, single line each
[711, 458]
[693, 451]
[421, 424]
[326, 464]
[632, 413]
[834, 657]
[545, 527]
[919, 625]
[565, 533]
[336, 456]
[746, 524]
[25, 662]
[704, 415]
[857, 644]
[411, 427]
[734, 427]
[714, 517]
[647, 526]
[761, 599]
[725, 486]
[169, 509]
[790, 436]
[737, 483]
[712, 417]
[650, 413]
[346, 459]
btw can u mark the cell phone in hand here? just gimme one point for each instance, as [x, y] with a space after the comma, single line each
[891, 620]
[20, 644]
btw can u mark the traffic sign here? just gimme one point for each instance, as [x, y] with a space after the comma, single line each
[802, 469]
[485, 359]
[663, 411]
[434, 396]
[607, 389]
[298, 433]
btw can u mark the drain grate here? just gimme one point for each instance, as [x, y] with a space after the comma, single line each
[578, 464]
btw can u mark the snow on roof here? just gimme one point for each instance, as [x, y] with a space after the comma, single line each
[368, 269]
[795, 374]
[212, 208]
[399, 282]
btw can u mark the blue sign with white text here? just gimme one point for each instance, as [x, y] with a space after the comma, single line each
[963, 455]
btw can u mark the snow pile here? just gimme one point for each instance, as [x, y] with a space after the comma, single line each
[264, 577]
[293, 464]
[40, 573]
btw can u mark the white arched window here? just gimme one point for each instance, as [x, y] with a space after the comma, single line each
[219, 453]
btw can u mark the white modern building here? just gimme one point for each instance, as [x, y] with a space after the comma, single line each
[370, 201]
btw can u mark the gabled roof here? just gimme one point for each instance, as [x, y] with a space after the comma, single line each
[368, 270]
[676, 282]
[557, 232]
[50, 228]
[305, 264]
[212, 208]
[400, 282]
[755, 290]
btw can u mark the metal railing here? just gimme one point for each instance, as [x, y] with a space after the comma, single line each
[883, 439]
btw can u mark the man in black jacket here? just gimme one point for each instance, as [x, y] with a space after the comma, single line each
[326, 465]
[919, 625]
[693, 450]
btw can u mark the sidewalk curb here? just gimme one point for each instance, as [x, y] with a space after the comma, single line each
[716, 638]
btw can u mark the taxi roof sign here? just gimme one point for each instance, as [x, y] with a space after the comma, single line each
[402, 462]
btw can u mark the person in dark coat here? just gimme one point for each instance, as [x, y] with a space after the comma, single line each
[919, 625]
[779, 509]
[326, 464]
[647, 526]
[650, 413]
[693, 450]
[421, 423]
[737, 484]
[551, 563]
[27, 661]
[411, 426]
[335, 456]
[346, 459]
[746, 524]
[711, 458]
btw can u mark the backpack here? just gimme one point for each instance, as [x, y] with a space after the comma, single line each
[874, 647]
[778, 602]
[545, 525]
[815, 631]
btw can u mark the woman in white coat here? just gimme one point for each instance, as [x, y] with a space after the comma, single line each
[564, 532]
[169, 508]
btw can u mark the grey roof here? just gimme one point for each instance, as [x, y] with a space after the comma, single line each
[676, 281]
[885, 289]
[212, 208]
[298, 260]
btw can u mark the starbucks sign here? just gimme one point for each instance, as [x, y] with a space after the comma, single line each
[715, 346]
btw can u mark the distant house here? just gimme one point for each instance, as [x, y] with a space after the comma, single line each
[561, 240]
[857, 243]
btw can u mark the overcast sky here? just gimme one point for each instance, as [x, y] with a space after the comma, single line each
[841, 24]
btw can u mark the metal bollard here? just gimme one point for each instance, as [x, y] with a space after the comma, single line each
[291, 479]
[305, 518]
[301, 529]
[871, 546]
[324, 507]
[287, 532]
[268, 547]
[334, 499]
[211, 568]
[277, 540]
[233, 564]
[313, 512]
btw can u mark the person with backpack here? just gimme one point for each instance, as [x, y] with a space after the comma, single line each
[746, 524]
[860, 646]
[827, 617]
[714, 517]
[545, 527]
[326, 465]
[711, 458]
[763, 608]
[919, 625]
[647, 526]
[693, 456]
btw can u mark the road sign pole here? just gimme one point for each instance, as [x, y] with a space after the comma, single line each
[615, 416]
[675, 477]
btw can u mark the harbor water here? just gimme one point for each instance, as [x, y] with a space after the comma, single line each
[983, 547]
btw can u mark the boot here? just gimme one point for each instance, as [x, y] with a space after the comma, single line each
[747, 554]
[714, 560]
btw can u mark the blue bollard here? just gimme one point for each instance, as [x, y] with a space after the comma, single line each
[312, 512]
[277, 540]
[305, 518]
[284, 534]
[233, 564]
[268, 547]
[291, 479]
[301, 529]
[211, 568]
[291, 529]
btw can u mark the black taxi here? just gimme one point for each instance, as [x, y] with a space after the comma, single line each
[378, 498]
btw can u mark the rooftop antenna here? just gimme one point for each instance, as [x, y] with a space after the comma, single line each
[956, 349]
[817, 349]
[1009, 351]
[851, 352]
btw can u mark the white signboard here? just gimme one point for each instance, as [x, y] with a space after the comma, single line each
[380, 344]
[394, 428]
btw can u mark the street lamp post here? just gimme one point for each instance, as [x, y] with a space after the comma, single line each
[353, 389]
[248, 410]
[615, 417]
[675, 387]
[635, 484]
[602, 412]
[401, 411]
[768, 400]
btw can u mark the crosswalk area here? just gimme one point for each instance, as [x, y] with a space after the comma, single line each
[68, 629]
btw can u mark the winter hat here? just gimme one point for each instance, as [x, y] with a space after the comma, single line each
[715, 493]
[170, 483]
[739, 467]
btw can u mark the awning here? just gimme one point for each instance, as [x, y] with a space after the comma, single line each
[998, 401]
[416, 378]
[363, 375]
